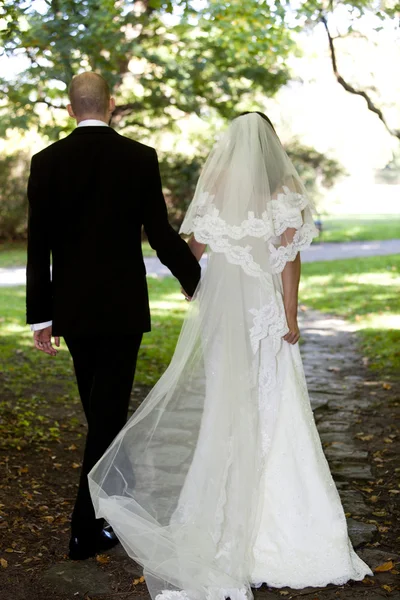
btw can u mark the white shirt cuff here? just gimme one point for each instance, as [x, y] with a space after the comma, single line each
[38, 326]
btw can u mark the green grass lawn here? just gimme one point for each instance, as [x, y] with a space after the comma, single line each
[367, 292]
[35, 388]
[351, 228]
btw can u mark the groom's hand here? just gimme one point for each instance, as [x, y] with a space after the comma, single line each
[42, 340]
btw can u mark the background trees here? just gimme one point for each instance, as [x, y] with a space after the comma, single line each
[167, 60]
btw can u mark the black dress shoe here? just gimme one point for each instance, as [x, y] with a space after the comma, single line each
[106, 539]
[82, 547]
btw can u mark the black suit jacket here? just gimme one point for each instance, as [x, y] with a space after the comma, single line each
[89, 195]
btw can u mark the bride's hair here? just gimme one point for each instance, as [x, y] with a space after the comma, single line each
[257, 112]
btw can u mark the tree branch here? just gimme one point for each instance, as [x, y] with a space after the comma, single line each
[349, 88]
[125, 109]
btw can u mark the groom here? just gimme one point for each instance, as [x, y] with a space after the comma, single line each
[89, 195]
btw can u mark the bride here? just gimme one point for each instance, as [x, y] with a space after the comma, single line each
[218, 482]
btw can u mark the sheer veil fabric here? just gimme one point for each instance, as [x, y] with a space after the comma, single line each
[218, 482]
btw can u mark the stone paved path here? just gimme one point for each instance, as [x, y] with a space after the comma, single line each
[16, 276]
[338, 398]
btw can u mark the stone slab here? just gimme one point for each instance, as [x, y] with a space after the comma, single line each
[353, 502]
[351, 471]
[338, 451]
[333, 425]
[349, 404]
[359, 532]
[78, 577]
[328, 437]
[374, 557]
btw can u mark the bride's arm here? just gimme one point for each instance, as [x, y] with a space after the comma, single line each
[196, 248]
[290, 283]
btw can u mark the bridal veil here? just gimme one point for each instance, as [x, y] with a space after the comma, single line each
[180, 484]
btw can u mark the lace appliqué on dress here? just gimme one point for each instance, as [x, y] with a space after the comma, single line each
[269, 326]
[270, 320]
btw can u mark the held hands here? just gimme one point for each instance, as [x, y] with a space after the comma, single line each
[42, 341]
[293, 335]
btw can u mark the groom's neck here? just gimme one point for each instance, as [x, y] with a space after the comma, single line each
[102, 118]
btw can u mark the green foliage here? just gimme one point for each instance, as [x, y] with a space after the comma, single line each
[159, 65]
[179, 174]
[163, 59]
[13, 204]
[314, 168]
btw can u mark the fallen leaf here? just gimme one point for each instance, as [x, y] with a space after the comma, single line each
[387, 440]
[103, 559]
[394, 491]
[386, 386]
[9, 550]
[48, 518]
[3, 563]
[72, 447]
[374, 498]
[75, 465]
[386, 566]
[387, 588]
[283, 593]
[365, 438]
[142, 579]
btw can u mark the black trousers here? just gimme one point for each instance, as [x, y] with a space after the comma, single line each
[105, 369]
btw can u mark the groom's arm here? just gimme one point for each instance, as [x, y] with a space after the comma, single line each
[171, 249]
[38, 279]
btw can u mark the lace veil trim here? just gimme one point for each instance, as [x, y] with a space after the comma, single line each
[285, 212]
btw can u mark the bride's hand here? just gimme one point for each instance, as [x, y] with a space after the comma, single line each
[293, 335]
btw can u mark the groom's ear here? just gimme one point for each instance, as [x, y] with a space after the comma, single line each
[112, 105]
[70, 111]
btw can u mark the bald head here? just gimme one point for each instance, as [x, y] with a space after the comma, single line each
[89, 95]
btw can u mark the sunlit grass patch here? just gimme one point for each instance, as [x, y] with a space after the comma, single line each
[348, 228]
[367, 292]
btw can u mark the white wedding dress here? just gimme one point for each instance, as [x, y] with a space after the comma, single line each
[218, 483]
